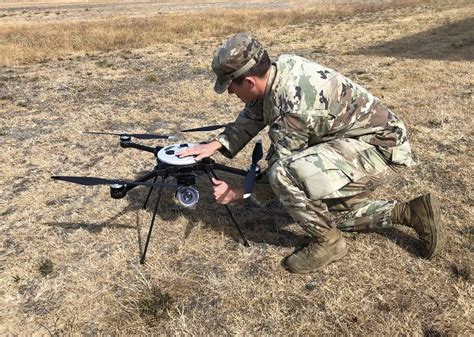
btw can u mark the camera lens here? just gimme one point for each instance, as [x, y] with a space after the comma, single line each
[187, 196]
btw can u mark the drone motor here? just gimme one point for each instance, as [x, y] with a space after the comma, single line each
[118, 191]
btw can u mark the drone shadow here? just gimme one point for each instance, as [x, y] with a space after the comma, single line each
[90, 227]
[259, 225]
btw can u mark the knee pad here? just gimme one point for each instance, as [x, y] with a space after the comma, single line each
[303, 174]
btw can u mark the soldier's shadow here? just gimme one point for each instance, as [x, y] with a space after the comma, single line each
[404, 240]
[260, 225]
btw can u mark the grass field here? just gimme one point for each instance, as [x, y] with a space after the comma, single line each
[69, 257]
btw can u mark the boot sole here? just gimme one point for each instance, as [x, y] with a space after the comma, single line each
[436, 227]
[337, 256]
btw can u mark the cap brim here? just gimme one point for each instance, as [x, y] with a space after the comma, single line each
[221, 85]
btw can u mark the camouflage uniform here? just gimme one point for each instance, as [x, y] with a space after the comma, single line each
[333, 143]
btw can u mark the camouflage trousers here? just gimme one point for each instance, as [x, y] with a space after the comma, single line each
[328, 185]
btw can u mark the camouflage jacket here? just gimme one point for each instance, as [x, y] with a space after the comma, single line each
[306, 104]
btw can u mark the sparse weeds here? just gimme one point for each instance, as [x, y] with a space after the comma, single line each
[429, 331]
[46, 267]
[154, 304]
[151, 78]
[104, 64]
[461, 271]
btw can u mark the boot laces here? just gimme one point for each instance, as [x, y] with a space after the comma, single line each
[312, 246]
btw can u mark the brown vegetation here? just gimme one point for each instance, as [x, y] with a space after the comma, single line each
[24, 42]
[69, 254]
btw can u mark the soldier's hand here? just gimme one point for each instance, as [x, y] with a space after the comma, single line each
[225, 194]
[200, 151]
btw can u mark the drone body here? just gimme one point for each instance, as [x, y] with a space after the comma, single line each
[168, 155]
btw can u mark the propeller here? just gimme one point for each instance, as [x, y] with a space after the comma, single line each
[93, 181]
[249, 181]
[207, 128]
[134, 135]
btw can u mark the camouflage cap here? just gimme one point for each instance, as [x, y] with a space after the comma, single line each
[234, 58]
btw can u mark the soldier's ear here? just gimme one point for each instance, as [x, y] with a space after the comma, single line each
[250, 81]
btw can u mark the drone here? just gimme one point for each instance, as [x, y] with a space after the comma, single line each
[184, 171]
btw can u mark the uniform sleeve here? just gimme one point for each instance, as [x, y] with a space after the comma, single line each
[247, 125]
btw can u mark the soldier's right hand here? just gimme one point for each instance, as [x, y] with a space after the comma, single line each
[200, 151]
[226, 194]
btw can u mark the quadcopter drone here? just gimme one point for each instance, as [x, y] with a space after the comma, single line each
[183, 170]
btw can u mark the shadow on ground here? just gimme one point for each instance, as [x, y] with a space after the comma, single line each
[453, 41]
[259, 225]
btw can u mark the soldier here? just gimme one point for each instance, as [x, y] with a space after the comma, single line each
[333, 143]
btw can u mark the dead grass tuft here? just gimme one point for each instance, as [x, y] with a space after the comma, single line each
[462, 271]
[46, 267]
[154, 304]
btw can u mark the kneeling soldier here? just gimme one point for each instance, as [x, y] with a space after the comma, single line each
[333, 143]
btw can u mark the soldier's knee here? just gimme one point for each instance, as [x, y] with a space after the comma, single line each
[304, 176]
[316, 180]
[278, 177]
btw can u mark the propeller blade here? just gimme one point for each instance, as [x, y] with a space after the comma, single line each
[87, 181]
[257, 153]
[249, 180]
[150, 136]
[134, 135]
[207, 128]
[93, 181]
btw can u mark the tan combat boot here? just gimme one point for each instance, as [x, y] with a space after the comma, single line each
[423, 214]
[318, 254]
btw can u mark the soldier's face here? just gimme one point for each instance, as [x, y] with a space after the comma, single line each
[243, 90]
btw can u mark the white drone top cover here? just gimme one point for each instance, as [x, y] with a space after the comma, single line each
[168, 154]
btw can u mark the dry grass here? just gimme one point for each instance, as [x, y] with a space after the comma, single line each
[34, 41]
[38, 41]
[69, 255]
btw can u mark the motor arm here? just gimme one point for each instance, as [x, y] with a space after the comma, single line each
[125, 142]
